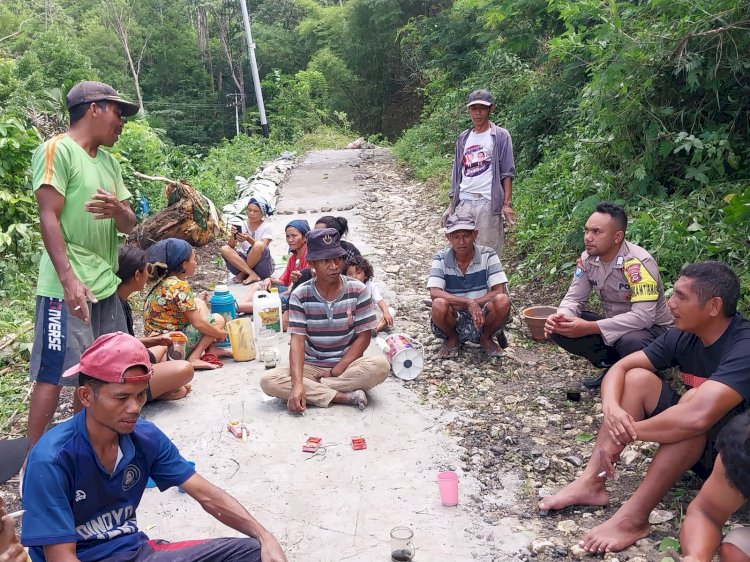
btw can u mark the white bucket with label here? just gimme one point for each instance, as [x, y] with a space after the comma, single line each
[401, 351]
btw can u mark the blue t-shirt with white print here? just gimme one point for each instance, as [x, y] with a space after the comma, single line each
[69, 497]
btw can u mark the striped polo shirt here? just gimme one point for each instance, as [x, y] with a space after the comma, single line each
[330, 327]
[484, 272]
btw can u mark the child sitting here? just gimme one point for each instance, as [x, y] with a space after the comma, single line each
[172, 307]
[358, 267]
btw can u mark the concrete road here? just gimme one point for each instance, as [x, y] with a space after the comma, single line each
[337, 504]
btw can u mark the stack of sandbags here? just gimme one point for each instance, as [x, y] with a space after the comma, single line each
[263, 183]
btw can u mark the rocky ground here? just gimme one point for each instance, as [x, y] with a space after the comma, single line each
[514, 412]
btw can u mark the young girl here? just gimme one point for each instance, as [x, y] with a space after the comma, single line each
[172, 307]
[360, 268]
[247, 252]
[170, 379]
[342, 225]
[295, 237]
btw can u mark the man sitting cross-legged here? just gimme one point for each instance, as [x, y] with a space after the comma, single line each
[331, 318]
[711, 345]
[85, 478]
[467, 287]
[725, 491]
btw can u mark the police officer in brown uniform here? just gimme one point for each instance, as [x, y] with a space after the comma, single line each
[626, 279]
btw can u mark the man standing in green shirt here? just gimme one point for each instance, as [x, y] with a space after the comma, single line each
[83, 203]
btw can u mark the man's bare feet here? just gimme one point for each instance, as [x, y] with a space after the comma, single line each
[239, 278]
[491, 348]
[355, 398]
[579, 492]
[178, 393]
[200, 364]
[615, 534]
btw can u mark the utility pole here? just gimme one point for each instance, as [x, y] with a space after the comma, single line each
[236, 104]
[254, 69]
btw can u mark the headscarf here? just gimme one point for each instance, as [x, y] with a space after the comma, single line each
[263, 205]
[170, 253]
[299, 224]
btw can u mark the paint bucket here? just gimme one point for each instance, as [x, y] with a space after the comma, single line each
[240, 333]
[222, 302]
[535, 318]
[405, 359]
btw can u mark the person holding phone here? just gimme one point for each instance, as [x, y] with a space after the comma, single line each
[247, 252]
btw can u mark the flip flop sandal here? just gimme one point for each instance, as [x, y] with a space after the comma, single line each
[448, 352]
[213, 359]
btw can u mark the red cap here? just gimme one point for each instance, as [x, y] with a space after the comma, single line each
[110, 356]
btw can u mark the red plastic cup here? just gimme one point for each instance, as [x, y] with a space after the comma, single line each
[448, 485]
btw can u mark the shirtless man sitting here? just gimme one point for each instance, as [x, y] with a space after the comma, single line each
[711, 345]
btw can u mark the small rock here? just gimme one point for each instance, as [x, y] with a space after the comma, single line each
[325, 209]
[394, 269]
[638, 559]
[578, 551]
[541, 464]
[574, 460]
[567, 526]
[301, 210]
[658, 516]
[541, 545]
[629, 456]
[371, 198]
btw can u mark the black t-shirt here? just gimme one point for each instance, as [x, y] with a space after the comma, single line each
[726, 361]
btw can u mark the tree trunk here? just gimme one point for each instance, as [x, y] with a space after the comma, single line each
[222, 25]
[118, 18]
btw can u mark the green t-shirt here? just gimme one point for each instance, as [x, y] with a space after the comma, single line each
[91, 244]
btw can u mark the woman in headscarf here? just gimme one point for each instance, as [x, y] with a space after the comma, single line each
[170, 379]
[171, 305]
[247, 252]
[295, 231]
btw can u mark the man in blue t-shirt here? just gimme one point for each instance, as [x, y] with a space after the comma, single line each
[710, 344]
[85, 478]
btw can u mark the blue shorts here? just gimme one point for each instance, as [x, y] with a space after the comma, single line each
[60, 338]
[208, 550]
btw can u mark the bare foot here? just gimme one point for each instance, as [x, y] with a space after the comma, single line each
[578, 492]
[251, 279]
[491, 348]
[219, 351]
[355, 398]
[205, 365]
[615, 534]
[177, 393]
[238, 278]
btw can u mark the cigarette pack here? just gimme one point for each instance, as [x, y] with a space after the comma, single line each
[312, 444]
[359, 443]
[238, 429]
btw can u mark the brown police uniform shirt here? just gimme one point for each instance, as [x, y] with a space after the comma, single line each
[629, 288]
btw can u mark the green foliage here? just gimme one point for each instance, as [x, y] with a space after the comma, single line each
[639, 103]
[17, 206]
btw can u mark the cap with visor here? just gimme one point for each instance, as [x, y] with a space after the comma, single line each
[110, 356]
[90, 92]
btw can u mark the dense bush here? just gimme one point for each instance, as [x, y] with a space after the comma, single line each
[640, 103]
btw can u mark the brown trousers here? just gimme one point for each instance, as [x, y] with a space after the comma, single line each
[362, 374]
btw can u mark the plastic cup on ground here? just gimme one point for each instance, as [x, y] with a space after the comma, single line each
[177, 350]
[448, 485]
[192, 464]
[402, 547]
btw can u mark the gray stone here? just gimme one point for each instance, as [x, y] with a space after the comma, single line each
[539, 546]
[574, 460]
[301, 210]
[659, 516]
[325, 209]
[541, 464]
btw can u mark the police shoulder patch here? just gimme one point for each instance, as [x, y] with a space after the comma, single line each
[580, 269]
[643, 286]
